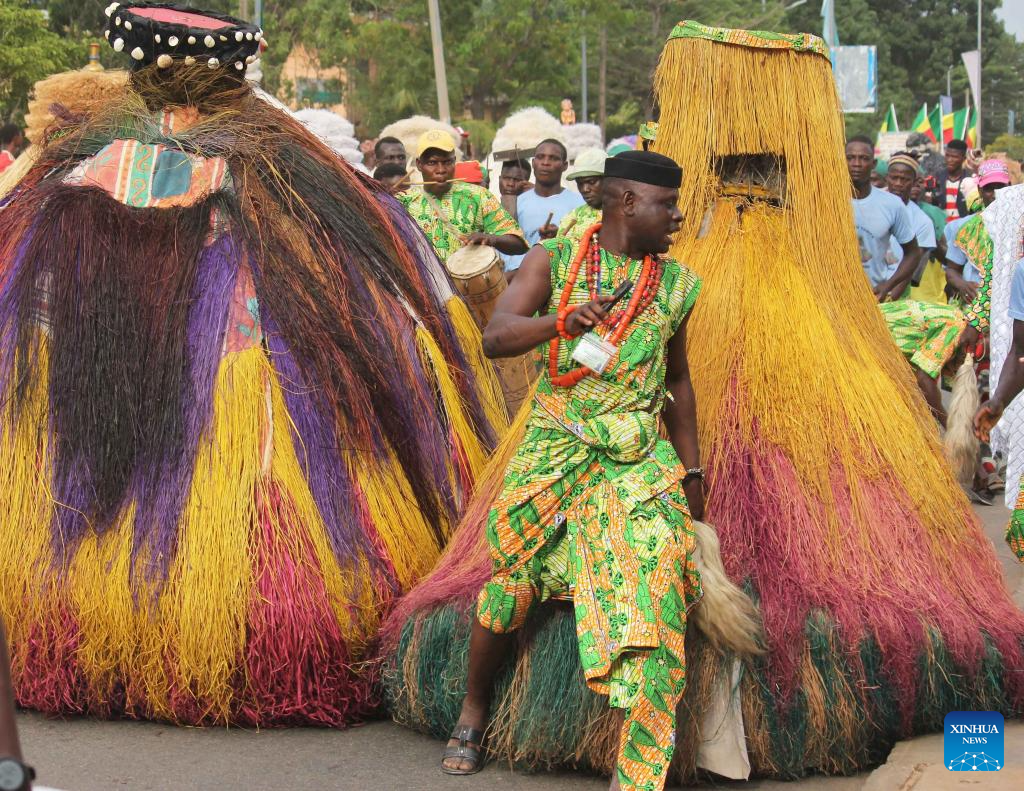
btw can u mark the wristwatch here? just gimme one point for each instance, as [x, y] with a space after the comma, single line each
[14, 775]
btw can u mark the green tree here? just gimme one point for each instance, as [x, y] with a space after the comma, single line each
[1011, 145]
[636, 35]
[499, 54]
[322, 27]
[918, 40]
[28, 53]
[505, 54]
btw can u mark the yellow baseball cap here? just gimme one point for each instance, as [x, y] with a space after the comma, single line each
[434, 138]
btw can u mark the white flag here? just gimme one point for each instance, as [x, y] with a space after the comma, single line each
[972, 62]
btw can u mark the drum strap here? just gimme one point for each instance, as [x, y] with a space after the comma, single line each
[442, 217]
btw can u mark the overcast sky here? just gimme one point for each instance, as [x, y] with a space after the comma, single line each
[1012, 14]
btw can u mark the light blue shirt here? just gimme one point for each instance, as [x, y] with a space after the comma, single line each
[924, 232]
[879, 217]
[955, 254]
[532, 210]
[1017, 292]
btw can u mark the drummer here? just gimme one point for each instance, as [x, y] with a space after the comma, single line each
[453, 213]
[588, 173]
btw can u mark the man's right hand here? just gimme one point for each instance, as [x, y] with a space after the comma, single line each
[548, 231]
[587, 316]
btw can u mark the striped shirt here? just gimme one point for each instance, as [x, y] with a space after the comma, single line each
[952, 192]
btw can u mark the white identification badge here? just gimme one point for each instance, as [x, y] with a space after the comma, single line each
[594, 352]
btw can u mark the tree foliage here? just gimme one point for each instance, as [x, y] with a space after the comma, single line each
[28, 53]
[1011, 145]
[918, 40]
[502, 55]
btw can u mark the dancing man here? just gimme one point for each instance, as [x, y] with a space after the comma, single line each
[595, 507]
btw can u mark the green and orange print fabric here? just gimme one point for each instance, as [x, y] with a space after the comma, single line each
[926, 333]
[467, 208]
[974, 240]
[593, 509]
[576, 222]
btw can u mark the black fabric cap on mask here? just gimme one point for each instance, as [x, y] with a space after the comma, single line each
[645, 167]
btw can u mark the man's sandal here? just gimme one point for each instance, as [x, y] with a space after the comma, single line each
[464, 751]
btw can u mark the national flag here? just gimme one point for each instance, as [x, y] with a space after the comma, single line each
[921, 120]
[935, 124]
[889, 123]
[954, 125]
[972, 132]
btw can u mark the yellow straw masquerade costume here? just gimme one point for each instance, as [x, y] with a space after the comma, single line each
[236, 419]
[830, 493]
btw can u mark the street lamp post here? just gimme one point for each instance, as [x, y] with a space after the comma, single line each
[977, 98]
[440, 75]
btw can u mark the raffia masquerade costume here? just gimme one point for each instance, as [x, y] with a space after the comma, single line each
[833, 501]
[236, 417]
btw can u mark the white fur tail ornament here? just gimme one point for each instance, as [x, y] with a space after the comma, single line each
[726, 616]
[960, 444]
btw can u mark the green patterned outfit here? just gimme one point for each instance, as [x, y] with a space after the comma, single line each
[593, 509]
[467, 208]
[925, 332]
[974, 240]
[576, 222]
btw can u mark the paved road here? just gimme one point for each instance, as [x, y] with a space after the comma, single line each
[83, 755]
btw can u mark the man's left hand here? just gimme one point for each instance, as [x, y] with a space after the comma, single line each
[488, 239]
[548, 231]
[986, 418]
[969, 339]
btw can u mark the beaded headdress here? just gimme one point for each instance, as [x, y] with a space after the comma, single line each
[163, 33]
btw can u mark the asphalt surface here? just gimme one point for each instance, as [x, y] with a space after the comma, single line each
[85, 755]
